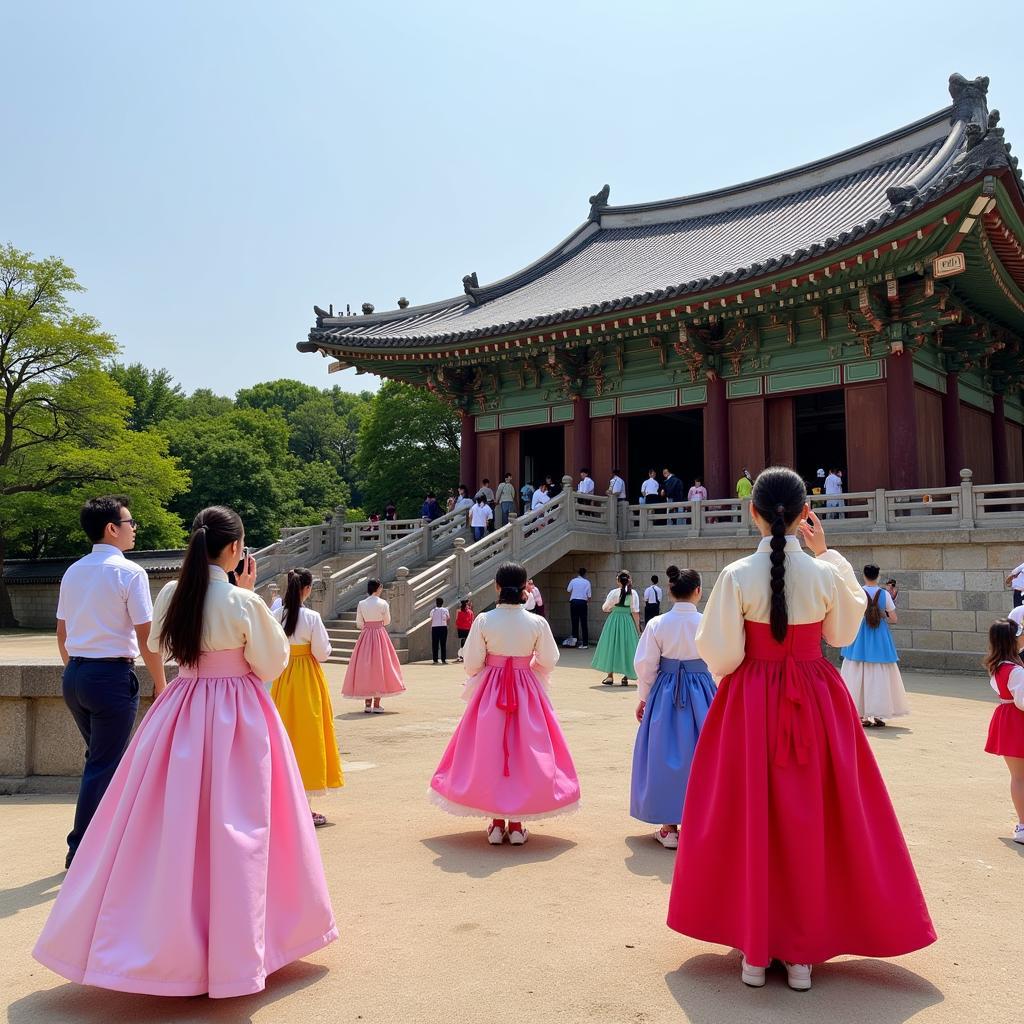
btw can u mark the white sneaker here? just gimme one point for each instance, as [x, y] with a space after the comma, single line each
[377, 709]
[518, 837]
[495, 835]
[798, 976]
[752, 976]
[1018, 833]
[670, 839]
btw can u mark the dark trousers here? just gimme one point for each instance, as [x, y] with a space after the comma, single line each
[650, 611]
[103, 698]
[439, 642]
[463, 633]
[1018, 598]
[578, 617]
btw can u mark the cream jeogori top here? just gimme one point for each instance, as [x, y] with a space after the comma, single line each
[821, 590]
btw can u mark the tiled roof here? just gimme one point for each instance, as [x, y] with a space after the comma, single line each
[633, 255]
[51, 570]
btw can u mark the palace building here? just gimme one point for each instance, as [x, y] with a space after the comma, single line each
[865, 311]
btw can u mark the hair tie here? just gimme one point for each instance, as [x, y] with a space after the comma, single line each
[202, 526]
[780, 510]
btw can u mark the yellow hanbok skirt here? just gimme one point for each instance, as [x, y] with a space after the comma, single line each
[304, 704]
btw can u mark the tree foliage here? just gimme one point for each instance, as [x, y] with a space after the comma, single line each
[154, 394]
[408, 445]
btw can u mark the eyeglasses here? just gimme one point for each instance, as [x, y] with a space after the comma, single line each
[133, 523]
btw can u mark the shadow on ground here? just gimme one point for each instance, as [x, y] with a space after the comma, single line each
[469, 853]
[43, 890]
[963, 687]
[79, 1004]
[709, 991]
[649, 858]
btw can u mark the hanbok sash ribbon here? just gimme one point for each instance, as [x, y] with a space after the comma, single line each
[508, 696]
[681, 667]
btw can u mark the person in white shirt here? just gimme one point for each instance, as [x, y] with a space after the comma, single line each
[652, 600]
[301, 695]
[1016, 580]
[650, 488]
[580, 592]
[479, 516]
[617, 486]
[586, 484]
[1006, 727]
[534, 599]
[540, 497]
[676, 691]
[834, 487]
[505, 498]
[373, 669]
[104, 614]
[617, 644]
[439, 619]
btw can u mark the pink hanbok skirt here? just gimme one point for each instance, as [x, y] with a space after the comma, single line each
[374, 669]
[507, 757]
[200, 872]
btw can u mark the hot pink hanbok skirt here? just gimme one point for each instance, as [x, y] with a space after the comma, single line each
[507, 757]
[789, 845]
[374, 669]
[200, 871]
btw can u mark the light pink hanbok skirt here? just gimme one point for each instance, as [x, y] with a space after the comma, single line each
[374, 669]
[201, 870]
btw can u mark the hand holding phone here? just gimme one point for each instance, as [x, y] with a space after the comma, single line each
[245, 571]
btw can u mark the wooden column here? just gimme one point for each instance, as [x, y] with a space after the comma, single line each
[467, 453]
[1000, 453]
[580, 436]
[716, 440]
[902, 421]
[952, 441]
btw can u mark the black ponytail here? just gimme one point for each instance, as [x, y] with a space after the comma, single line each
[779, 496]
[511, 579]
[298, 580]
[212, 531]
[625, 586]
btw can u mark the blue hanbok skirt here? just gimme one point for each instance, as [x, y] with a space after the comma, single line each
[673, 717]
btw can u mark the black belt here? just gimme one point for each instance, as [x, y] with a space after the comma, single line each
[78, 657]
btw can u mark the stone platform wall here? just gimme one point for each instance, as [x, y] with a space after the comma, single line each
[951, 583]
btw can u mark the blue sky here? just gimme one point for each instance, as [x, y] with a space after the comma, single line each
[212, 169]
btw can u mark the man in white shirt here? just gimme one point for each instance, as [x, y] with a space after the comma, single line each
[650, 488]
[834, 486]
[479, 516]
[540, 497]
[586, 484]
[1016, 581]
[579, 592]
[104, 614]
[652, 600]
[617, 486]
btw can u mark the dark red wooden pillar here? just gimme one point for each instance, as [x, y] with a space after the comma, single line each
[952, 438]
[716, 440]
[467, 453]
[580, 436]
[1000, 453]
[902, 421]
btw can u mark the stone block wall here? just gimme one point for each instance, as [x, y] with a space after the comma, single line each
[951, 583]
[35, 604]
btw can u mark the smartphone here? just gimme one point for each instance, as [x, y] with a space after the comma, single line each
[240, 568]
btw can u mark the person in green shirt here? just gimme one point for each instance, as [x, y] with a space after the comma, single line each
[744, 485]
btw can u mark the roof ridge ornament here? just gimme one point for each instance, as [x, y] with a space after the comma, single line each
[471, 286]
[970, 99]
[598, 203]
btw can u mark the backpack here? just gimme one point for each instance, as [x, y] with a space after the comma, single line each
[873, 616]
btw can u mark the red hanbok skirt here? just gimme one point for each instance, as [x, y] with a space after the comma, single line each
[789, 845]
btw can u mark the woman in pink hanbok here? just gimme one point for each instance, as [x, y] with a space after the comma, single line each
[508, 760]
[373, 670]
[200, 872]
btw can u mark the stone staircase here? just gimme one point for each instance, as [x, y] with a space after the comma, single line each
[344, 633]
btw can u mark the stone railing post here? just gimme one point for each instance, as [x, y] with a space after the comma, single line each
[966, 499]
[570, 501]
[401, 603]
[318, 597]
[744, 525]
[273, 593]
[881, 511]
[516, 538]
[378, 563]
[462, 580]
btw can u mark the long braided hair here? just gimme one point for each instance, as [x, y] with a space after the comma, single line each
[779, 496]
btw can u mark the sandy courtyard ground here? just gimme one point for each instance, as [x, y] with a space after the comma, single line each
[438, 926]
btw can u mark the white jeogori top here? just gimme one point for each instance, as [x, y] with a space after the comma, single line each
[103, 597]
[667, 636]
[1015, 684]
[632, 600]
[309, 629]
[372, 609]
[821, 590]
[512, 631]
[232, 617]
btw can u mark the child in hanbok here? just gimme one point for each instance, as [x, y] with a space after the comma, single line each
[373, 671]
[301, 694]
[789, 846]
[617, 646]
[870, 665]
[1006, 730]
[676, 691]
[507, 760]
[200, 872]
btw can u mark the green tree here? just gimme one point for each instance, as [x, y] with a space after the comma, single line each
[282, 395]
[202, 403]
[408, 445]
[63, 422]
[155, 395]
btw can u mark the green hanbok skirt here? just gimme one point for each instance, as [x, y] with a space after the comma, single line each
[617, 647]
